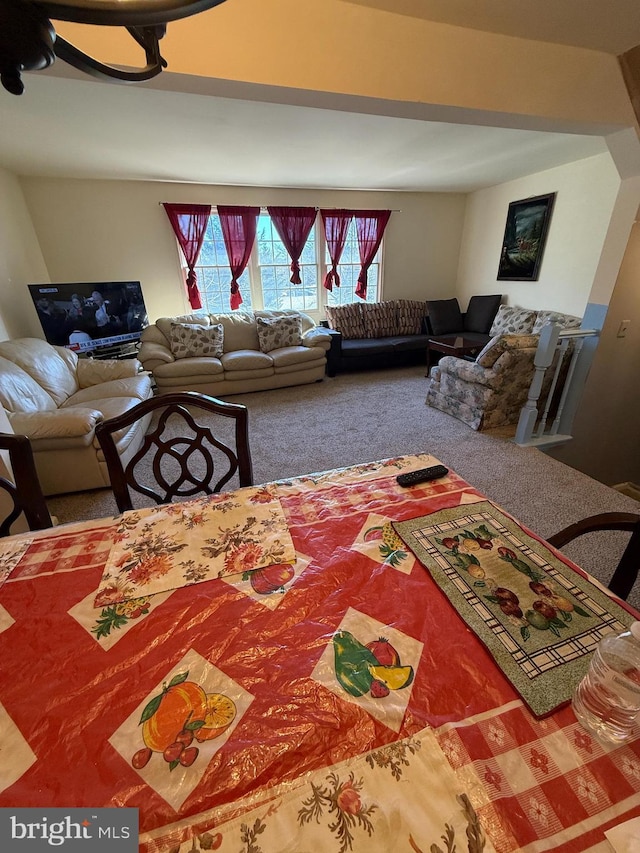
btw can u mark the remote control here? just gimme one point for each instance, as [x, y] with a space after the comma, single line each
[422, 476]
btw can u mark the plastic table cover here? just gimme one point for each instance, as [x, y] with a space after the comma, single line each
[201, 704]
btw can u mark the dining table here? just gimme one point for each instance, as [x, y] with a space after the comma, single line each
[331, 662]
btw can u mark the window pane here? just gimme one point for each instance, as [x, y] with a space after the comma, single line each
[214, 275]
[275, 271]
[349, 270]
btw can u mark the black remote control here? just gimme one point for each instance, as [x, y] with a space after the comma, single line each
[422, 476]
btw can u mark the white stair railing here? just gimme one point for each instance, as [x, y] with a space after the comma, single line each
[555, 346]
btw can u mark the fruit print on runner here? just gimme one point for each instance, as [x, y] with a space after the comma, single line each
[173, 734]
[371, 665]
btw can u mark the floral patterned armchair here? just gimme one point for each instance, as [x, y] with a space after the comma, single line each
[490, 391]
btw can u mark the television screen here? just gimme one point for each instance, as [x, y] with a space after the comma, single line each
[88, 317]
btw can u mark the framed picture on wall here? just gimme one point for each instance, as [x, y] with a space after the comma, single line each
[525, 235]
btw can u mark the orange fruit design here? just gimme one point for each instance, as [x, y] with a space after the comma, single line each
[221, 712]
[181, 703]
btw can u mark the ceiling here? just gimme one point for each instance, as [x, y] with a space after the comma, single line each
[611, 26]
[151, 132]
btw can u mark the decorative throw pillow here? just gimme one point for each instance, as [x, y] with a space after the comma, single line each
[410, 316]
[347, 319]
[379, 319]
[512, 320]
[278, 332]
[488, 356]
[566, 321]
[190, 340]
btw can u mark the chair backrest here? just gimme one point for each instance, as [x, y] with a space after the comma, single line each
[626, 572]
[25, 494]
[184, 462]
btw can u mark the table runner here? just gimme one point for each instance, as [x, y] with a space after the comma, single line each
[175, 545]
[538, 618]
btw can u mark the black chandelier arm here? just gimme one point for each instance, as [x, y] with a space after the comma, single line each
[135, 13]
[147, 38]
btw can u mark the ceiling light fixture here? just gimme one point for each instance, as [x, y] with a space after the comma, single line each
[28, 41]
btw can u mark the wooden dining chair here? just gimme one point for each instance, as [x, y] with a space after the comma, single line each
[626, 572]
[24, 492]
[185, 460]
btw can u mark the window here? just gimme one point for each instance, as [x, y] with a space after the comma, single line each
[274, 267]
[265, 283]
[214, 275]
[349, 270]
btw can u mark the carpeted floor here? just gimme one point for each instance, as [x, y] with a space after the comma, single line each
[361, 417]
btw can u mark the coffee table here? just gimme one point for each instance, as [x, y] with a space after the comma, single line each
[457, 345]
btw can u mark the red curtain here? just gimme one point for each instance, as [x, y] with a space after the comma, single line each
[370, 225]
[189, 223]
[336, 224]
[239, 226]
[293, 225]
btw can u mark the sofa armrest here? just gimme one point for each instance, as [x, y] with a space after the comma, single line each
[317, 337]
[153, 354]
[93, 371]
[74, 422]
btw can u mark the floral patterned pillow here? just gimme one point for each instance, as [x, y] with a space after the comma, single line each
[501, 343]
[278, 332]
[566, 321]
[190, 340]
[512, 320]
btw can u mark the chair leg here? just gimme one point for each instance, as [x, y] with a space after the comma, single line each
[626, 574]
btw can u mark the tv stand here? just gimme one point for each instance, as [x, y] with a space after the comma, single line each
[117, 351]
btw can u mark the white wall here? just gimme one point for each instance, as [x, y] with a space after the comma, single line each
[21, 262]
[586, 192]
[112, 230]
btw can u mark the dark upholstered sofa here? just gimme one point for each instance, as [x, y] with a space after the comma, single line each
[395, 333]
[376, 334]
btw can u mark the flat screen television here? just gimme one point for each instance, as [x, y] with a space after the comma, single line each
[96, 318]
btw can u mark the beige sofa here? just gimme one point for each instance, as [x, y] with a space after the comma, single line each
[56, 399]
[491, 391]
[232, 354]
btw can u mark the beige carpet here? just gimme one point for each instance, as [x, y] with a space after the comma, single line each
[361, 417]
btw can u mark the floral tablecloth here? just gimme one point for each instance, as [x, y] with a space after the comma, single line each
[247, 705]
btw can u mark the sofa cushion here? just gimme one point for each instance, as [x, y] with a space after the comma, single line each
[278, 332]
[380, 319]
[187, 367]
[501, 343]
[366, 346]
[481, 313]
[295, 355]
[19, 392]
[45, 364]
[246, 360]
[410, 315]
[444, 316]
[190, 340]
[239, 330]
[347, 319]
[133, 387]
[512, 320]
[566, 321]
